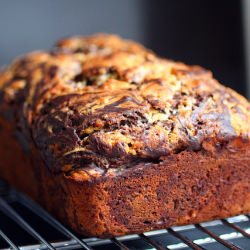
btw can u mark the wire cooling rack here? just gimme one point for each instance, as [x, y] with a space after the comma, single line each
[24, 225]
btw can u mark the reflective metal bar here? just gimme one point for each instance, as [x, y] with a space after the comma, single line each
[185, 239]
[119, 244]
[152, 242]
[217, 238]
[235, 227]
[11, 213]
[5, 237]
[49, 219]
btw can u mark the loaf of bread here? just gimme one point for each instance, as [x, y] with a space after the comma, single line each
[113, 140]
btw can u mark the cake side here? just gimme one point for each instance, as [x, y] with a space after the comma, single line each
[16, 165]
[190, 187]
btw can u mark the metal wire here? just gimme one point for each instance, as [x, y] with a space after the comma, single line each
[119, 244]
[184, 239]
[6, 238]
[22, 223]
[217, 238]
[243, 232]
[152, 242]
[51, 220]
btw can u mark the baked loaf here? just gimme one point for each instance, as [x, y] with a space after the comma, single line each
[113, 140]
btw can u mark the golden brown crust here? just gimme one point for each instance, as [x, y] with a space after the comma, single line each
[100, 44]
[99, 109]
[112, 103]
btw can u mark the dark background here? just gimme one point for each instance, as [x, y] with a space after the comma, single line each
[208, 32]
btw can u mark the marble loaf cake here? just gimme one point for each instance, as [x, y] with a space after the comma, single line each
[113, 140]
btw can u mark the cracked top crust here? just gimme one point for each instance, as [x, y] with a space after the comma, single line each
[100, 102]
